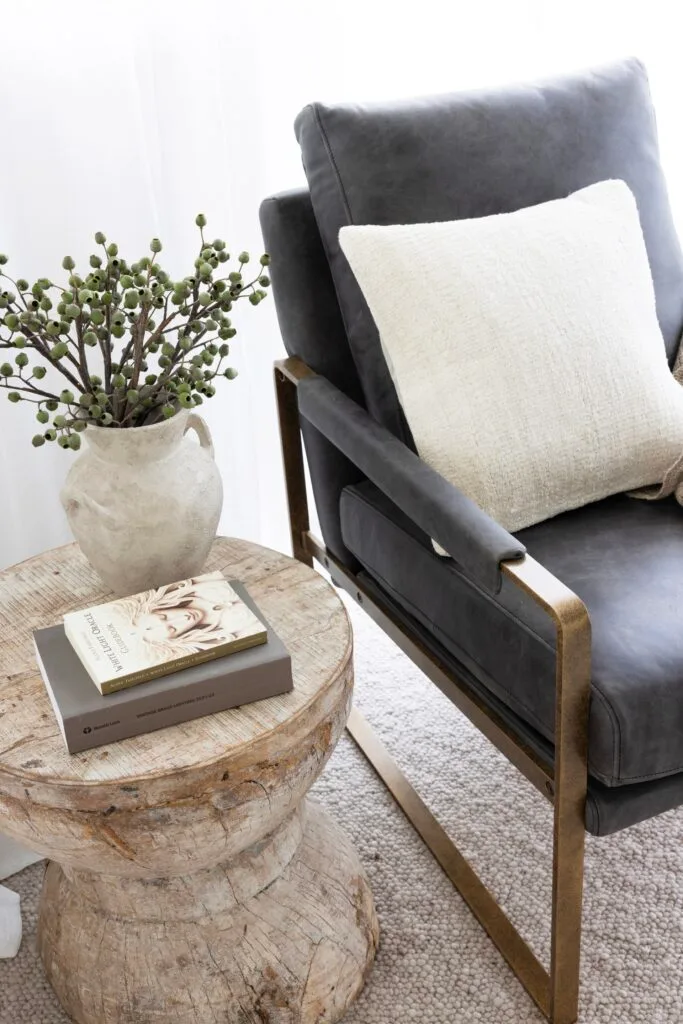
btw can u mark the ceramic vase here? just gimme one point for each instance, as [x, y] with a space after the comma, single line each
[144, 503]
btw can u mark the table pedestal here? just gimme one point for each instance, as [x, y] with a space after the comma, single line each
[284, 932]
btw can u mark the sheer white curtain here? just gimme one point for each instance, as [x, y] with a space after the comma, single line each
[131, 117]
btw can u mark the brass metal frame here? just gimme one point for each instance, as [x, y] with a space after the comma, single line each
[563, 783]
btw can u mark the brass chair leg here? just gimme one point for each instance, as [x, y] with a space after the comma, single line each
[520, 958]
[569, 830]
[554, 992]
[293, 459]
[565, 956]
[572, 694]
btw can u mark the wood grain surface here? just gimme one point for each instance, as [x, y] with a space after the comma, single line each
[301, 606]
[285, 934]
[190, 847]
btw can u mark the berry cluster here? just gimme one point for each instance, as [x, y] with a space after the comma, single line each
[172, 337]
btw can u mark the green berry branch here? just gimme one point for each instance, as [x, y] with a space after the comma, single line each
[133, 345]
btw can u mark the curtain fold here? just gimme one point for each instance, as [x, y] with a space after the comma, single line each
[130, 118]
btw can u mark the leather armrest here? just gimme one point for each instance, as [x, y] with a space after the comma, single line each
[471, 537]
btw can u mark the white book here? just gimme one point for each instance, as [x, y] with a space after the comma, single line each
[134, 639]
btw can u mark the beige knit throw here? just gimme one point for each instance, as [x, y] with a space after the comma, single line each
[673, 480]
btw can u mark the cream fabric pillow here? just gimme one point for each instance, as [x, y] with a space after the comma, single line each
[526, 352]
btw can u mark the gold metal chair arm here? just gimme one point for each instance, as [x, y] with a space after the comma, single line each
[564, 782]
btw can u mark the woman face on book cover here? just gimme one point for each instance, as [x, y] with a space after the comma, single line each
[170, 623]
[182, 618]
[194, 608]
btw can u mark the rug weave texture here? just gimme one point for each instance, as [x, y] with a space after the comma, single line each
[435, 964]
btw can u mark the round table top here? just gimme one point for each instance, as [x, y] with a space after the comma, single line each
[301, 606]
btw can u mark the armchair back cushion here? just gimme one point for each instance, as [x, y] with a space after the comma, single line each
[475, 154]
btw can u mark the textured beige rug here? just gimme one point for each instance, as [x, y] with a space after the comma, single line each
[435, 965]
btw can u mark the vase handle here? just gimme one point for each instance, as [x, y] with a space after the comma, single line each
[201, 429]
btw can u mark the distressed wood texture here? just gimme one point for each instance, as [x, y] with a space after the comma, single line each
[190, 879]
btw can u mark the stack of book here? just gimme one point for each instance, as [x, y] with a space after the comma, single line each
[159, 658]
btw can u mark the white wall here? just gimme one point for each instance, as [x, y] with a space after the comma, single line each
[132, 117]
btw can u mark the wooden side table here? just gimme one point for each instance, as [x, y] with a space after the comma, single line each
[189, 878]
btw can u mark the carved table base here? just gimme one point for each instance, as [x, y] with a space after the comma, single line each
[284, 932]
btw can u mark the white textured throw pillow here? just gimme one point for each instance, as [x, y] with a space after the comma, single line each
[526, 352]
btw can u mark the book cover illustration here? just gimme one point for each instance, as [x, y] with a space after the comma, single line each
[133, 639]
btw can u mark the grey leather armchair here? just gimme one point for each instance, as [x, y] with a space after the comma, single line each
[503, 627]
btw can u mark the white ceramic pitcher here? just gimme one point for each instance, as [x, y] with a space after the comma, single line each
[144, 503]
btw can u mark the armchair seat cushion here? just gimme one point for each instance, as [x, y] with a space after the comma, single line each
[624, 558]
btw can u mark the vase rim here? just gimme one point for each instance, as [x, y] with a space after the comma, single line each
[146, 443]
[145, 426]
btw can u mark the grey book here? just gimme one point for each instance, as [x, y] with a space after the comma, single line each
[87, 719]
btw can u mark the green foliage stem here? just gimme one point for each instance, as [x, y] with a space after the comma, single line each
[158, 344]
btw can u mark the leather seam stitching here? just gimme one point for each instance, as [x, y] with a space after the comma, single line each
[613, 719]
[326, 247]
[590, 799]
[351, 223]
[330, 154]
